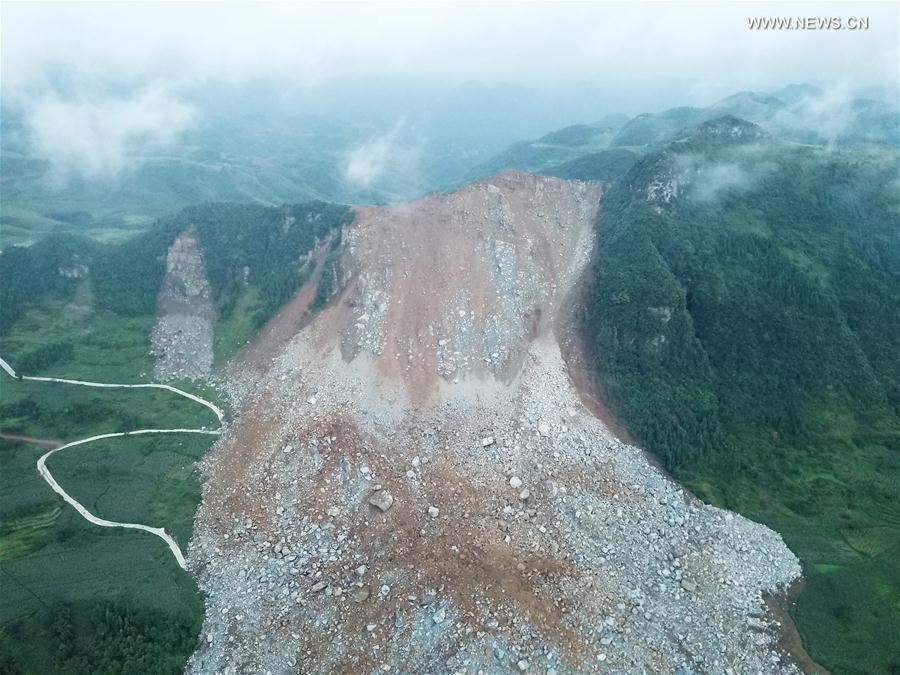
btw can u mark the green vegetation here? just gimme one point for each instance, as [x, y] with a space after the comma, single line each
[255, 258]
[606, 165]
[553, 153]
[748, 333]
[77, 598]
[802, 114]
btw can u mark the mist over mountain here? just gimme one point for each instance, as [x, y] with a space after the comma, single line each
[451, 338]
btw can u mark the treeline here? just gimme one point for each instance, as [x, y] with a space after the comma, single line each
[103, 637]
[751, 307]
[747, 332]
[30, 273]
[243, 244]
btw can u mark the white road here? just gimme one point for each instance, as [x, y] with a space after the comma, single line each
[57, 488]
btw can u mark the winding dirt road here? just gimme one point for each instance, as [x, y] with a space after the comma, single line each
[74, 503]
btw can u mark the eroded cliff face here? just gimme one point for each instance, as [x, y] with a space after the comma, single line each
[182, 338]
[413, 484]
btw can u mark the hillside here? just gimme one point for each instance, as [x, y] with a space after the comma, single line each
[745, 315]
[558, 149]
[267, 160]
[412, 479]
[77, 598]
[798, 113]
[607, 149]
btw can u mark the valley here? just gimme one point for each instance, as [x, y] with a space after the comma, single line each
[58, 447]
[636, 411]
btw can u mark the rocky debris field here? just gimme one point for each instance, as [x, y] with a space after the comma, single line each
[182, 338]
[371, 513]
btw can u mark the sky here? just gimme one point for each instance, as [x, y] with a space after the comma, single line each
[707, 46]
[95, 80]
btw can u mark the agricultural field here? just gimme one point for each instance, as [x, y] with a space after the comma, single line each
[77, 597]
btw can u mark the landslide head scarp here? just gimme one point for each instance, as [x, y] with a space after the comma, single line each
[457, 284]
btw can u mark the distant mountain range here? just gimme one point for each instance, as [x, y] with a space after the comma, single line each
[799, 113]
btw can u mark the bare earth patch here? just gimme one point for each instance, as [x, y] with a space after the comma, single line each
[183, 335]
[521, 534]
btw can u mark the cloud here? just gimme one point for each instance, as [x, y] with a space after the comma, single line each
[717, 179]
[836, 113]
[100, 137]
[383, 157]
[367, 163]
[705, 48]
[710, 180]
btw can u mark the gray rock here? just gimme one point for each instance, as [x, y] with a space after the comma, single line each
[382, 500]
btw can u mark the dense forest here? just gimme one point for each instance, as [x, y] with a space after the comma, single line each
[244, 245]
[745, 316]
[103, 638]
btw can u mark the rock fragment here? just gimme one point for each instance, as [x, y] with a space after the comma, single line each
[382, 500]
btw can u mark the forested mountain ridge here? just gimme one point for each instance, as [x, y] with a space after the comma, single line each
[246, 248]
[801, 114]
[606, 149]
[745, 314]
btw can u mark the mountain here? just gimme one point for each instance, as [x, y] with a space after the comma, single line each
[745, 318]
[648, 129]
[438, 409]
[267, 160]
[606, 165]
[553, 150]
[801, 113]
[255, 258]
[798, 112]
[415, 464]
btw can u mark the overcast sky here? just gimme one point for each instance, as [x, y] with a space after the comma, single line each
[707, 46]
[101, 84]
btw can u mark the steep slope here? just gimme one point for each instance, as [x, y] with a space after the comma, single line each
[745, 315]
[413, 484]
[182, 337]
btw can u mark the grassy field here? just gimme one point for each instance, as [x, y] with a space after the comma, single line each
[837, 506]
[77, 598]
[233, 332]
